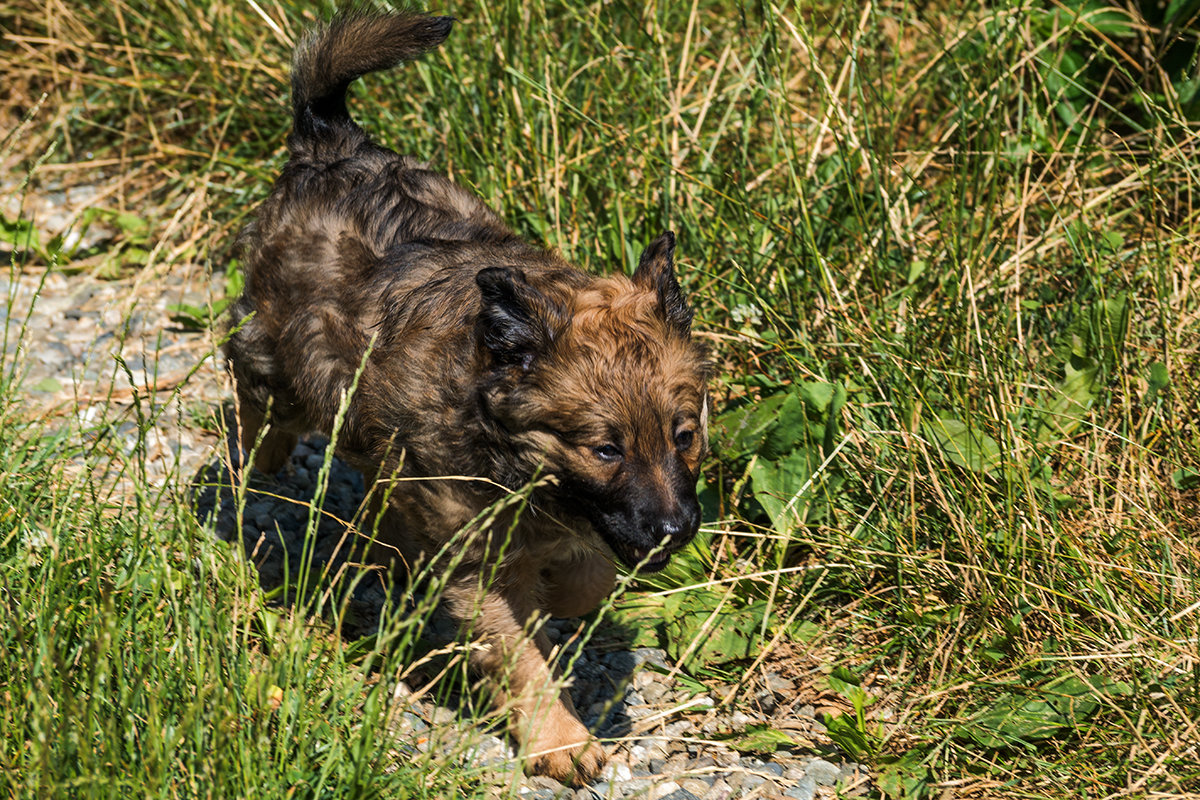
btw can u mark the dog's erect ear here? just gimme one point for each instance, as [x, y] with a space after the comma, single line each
[517, 322]
[656, 273]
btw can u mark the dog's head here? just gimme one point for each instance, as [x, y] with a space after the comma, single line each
[603, 387]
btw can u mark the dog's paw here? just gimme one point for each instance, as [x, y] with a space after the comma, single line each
[574, 765]
[566, 752]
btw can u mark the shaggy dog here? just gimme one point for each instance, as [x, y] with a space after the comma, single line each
[385, 298]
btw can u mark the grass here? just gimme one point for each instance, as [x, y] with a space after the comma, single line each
[944, 259]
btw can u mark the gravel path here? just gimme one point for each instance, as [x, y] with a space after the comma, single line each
[662, 737]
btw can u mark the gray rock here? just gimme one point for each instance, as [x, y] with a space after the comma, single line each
[654, 692]
[822, 772]
[746, 781]
[616, 772]
[780, 685]
[847, 772]
[651, 655]
[805, 789]
[542, 783]
[677, 794]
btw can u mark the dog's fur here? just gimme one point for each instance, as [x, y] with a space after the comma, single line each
[480, 356]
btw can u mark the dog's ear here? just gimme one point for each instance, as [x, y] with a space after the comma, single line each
[656, 273]
[517, 322]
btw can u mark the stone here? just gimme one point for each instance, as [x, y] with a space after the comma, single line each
[822, 772]
[780, 685]
[654, 692]
[644, 678]
[616, 772]
[740, 719]
[805, 789]
[746, 781]
[678, 794]
[651, 655]
[679, 728]
[541, 782]
[667, 789]
[696, 786]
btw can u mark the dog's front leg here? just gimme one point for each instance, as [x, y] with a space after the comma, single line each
[276, 446]
[574, 586]
[542, 718]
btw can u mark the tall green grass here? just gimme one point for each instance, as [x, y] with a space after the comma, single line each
[943, 255]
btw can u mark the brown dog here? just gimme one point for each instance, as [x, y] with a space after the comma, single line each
[472, 354]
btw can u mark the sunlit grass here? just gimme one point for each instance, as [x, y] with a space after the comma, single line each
[963, 238]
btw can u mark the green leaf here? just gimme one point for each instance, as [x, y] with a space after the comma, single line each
[48, 385]
[818, 394]
[740, 432]
[235, 280]
[790, 430]
[1013, 721]
[759, 739]
[134, 227]
[733, 635]
[777, 486]
[964, 445]
[1186, 478]
[906, 777]
[847, 733]
[1181, 9]
[1159, 379]
[1022, 720]
[1073, 398]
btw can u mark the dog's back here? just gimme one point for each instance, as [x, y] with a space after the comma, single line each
[348, 232]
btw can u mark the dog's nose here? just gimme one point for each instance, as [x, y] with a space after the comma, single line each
[670, 532]
[676, 531]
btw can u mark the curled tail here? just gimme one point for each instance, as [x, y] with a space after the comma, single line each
[351, 45]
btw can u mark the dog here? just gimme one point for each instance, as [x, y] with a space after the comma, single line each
[385, 300]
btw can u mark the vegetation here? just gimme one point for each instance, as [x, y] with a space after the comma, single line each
[943, 254]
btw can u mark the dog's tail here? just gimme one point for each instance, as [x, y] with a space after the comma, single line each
[351, 45]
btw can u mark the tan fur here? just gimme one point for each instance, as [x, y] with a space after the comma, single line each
[476, 355]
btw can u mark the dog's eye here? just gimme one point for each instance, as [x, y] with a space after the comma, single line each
[684, 439]
[608, 452]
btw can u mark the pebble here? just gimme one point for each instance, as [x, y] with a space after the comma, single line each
[695, 786]
[675, 793]
[822, 772]
[805, 789]
[720, 790]
[780, 685]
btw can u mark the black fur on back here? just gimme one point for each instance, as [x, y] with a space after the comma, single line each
[332, 57]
